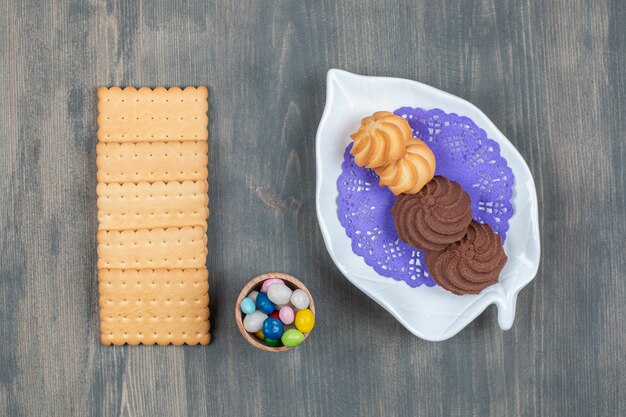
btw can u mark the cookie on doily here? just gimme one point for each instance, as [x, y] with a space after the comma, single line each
[470, 265]
[380, 139]
[410, 173]
[435, 217]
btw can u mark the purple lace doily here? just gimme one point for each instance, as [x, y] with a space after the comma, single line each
[464, 154]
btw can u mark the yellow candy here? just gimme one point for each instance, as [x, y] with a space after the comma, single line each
[305, 320]
[260, 335]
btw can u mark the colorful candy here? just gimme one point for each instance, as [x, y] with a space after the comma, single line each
[247, 305]
[268, 282]
[273, 329]
[305, 320]
[299, 299]
[273, 343]
[269, 311]
[264, 304]
[292, 338]
[275, 314]
[286, 314]
[254, 322]
[279, 294]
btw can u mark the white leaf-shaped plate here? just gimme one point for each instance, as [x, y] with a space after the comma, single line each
[430, 313]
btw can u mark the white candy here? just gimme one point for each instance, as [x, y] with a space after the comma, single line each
[254, 322]
[253, 295]
[279, 294]
[299, 299]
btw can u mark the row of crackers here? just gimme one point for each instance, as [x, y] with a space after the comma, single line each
[152, 213]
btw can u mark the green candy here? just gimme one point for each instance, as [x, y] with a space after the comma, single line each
[273, 343]
[292, 338]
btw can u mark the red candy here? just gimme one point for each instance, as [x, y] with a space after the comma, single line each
[274, 315]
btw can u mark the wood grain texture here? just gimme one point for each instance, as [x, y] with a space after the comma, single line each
[552, 77]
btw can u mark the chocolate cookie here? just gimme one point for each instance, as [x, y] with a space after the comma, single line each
[470, 265]
[435, 217]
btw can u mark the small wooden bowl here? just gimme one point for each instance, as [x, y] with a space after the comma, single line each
[255, 284]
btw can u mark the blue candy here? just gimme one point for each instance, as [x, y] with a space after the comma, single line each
[273, 329]
[264, 304]
[247, 305]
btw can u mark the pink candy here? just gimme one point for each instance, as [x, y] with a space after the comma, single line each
[268, 282]
[286, 315]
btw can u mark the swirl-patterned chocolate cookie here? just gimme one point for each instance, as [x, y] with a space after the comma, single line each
[435, 217]
[470, 265]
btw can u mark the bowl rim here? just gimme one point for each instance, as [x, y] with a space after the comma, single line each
[255, 284]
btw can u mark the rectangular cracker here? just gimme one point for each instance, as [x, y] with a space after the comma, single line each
[154, 306]
[148, 115]
[173, 247]
[159, 161]
[146, 205]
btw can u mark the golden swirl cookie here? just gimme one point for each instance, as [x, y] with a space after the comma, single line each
[435, 217]
[410, 173]
[380, 140]
[470, 265]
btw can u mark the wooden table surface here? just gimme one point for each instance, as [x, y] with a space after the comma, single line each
[551, 75]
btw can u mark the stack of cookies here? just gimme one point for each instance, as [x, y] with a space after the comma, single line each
[152, 213]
